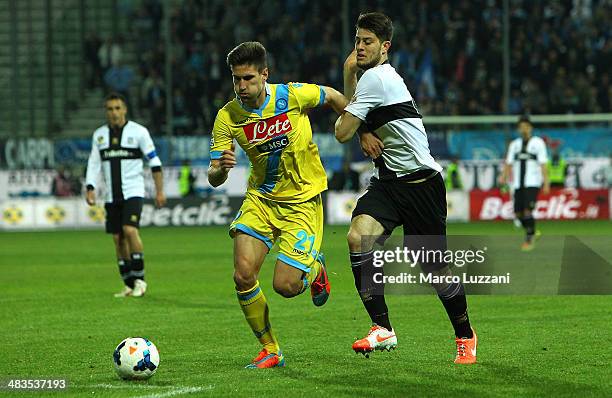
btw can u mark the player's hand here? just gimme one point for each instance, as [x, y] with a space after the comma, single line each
[160, 199]
[371, 145]
[350, 65]
[90, 197]
[228, 158]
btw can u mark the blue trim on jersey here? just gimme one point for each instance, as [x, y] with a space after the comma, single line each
[271, 172]
[281, 103]
[152, 154]
[293, 263]
[321, 96]
[214, 155]
[259, 110]
[250, 295]
[249, 231]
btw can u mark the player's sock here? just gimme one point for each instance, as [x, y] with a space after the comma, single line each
[372, 296]
[310, 277]
[255, 309]
[529, 224]
[455, 303]
[125, 271]
[137, 265]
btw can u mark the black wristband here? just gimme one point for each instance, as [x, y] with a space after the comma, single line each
[90, 187]
[363, 128]
[156, 169]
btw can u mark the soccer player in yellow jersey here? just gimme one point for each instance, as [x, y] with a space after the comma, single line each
[283, 198]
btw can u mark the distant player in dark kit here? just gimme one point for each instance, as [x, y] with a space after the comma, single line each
[117, 149]
[407, 188]
[526, 160]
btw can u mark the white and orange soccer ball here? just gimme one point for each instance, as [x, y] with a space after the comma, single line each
[136, 358]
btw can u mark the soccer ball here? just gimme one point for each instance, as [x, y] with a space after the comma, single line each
[136, 358]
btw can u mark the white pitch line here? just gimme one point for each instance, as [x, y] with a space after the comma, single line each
[124, 386]
[178, 391]
[174, 390]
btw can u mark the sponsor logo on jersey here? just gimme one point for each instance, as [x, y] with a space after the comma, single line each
[275, 144]
[266, 129]
[108, 154]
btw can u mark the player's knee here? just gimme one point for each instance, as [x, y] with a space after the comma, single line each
[287, 288]
[353, 238]
[129, 231]
[244, 280]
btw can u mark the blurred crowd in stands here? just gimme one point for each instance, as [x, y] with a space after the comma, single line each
[450, 54]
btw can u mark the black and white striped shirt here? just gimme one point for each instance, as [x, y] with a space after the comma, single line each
[384, 103]
[119, 154]
[526, 159]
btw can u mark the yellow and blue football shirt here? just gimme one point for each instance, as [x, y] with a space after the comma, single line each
[277, 138]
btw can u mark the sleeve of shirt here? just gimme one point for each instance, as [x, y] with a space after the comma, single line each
[369, 94]
[511, 153]
[94, 164]
[542, 154]
[221, 138]
[148, 149]
[307, 95]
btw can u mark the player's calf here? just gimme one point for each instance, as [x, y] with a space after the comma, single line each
[288, 288]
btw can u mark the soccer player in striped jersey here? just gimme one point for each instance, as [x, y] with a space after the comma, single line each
[407, 188]
[283, 198]
[117, 149]
[526, 160]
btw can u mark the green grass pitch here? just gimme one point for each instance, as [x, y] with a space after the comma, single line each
[58, 318]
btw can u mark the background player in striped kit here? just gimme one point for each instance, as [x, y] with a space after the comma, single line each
[526, 161]
[407, 188]
[117, 149]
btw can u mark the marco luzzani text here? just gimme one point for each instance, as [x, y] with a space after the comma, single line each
[412, 258]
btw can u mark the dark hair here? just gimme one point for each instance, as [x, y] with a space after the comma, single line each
[248, 53]
[115, 96]
[524, 118]
[378, 23]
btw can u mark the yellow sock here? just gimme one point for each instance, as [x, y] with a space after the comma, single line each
[255, 308]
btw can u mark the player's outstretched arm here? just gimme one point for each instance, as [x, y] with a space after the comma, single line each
[219, 168]
[335, 99]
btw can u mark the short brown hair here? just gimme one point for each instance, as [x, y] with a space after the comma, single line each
[248, 53]
[524, 119]
[115, 96]
[377, 23]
